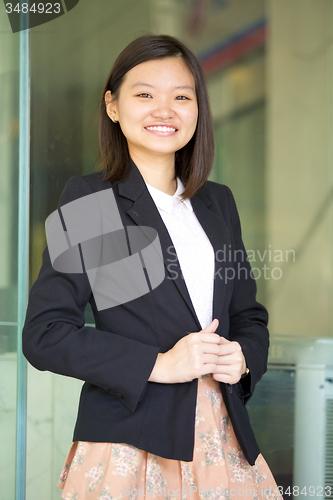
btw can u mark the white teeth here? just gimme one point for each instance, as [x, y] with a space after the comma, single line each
[162, 129]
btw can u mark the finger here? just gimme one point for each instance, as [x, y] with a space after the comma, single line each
[221, 377]
[209, 348]
[209, 337]
[231, 376]
[212, 326]
[226, 349]
[227, 379]
[229, 360]
[232, 346]
[208, 368]
[210, 358]
[229, 369]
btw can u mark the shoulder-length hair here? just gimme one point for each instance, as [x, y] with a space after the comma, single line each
[194, 161]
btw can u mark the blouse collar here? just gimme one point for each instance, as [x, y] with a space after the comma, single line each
[166, 201]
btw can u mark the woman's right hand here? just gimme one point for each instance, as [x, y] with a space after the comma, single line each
[192, 356]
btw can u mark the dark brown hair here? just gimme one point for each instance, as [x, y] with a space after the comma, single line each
[194, 161]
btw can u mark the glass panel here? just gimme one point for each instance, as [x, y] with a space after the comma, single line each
[276, 155]
[299, 166]
[240, 151]
[8, 370]
[299, 212]
[9, 135]
[271, 409]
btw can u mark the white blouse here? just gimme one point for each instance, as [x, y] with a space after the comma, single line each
[194, 250]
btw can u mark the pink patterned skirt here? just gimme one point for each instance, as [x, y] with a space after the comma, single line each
[219, 470]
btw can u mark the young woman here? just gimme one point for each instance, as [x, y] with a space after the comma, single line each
[180, 341]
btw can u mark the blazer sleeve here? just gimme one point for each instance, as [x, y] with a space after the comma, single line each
[248, 319]
[56, 339]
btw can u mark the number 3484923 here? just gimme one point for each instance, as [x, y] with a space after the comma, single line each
[310, 491]
[35, 8]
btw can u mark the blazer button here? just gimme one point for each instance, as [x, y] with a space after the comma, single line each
[119, 396]
[230, 389]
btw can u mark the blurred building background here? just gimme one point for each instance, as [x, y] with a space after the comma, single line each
[269, 70]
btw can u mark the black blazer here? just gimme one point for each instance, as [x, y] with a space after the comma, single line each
[115, 358]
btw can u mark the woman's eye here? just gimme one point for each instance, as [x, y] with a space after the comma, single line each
[182, 96]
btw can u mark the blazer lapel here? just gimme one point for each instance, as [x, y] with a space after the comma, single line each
[216, 230]
[137, 202]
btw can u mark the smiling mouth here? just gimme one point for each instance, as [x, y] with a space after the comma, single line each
[161, 129]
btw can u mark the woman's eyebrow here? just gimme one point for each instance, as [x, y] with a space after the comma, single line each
[139, 84]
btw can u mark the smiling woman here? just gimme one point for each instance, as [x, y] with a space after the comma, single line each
[158, 124]
[163, 86]
[167, 374]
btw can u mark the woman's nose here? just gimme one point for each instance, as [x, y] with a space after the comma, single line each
[163, 109]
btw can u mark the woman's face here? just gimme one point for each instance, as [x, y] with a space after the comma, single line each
[157, 93]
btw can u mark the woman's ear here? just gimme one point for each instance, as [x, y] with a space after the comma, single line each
[110, 106]
[107, 97]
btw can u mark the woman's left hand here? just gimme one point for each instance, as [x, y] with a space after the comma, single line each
[231, 362]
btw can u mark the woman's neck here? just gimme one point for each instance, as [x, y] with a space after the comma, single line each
[160, 175]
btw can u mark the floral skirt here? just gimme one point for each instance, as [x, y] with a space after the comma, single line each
[219, 470]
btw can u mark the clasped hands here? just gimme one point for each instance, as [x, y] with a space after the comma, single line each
[200, 353]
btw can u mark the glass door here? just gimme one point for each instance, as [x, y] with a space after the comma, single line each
[14, 246]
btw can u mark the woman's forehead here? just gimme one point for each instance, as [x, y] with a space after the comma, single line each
[153, 73]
